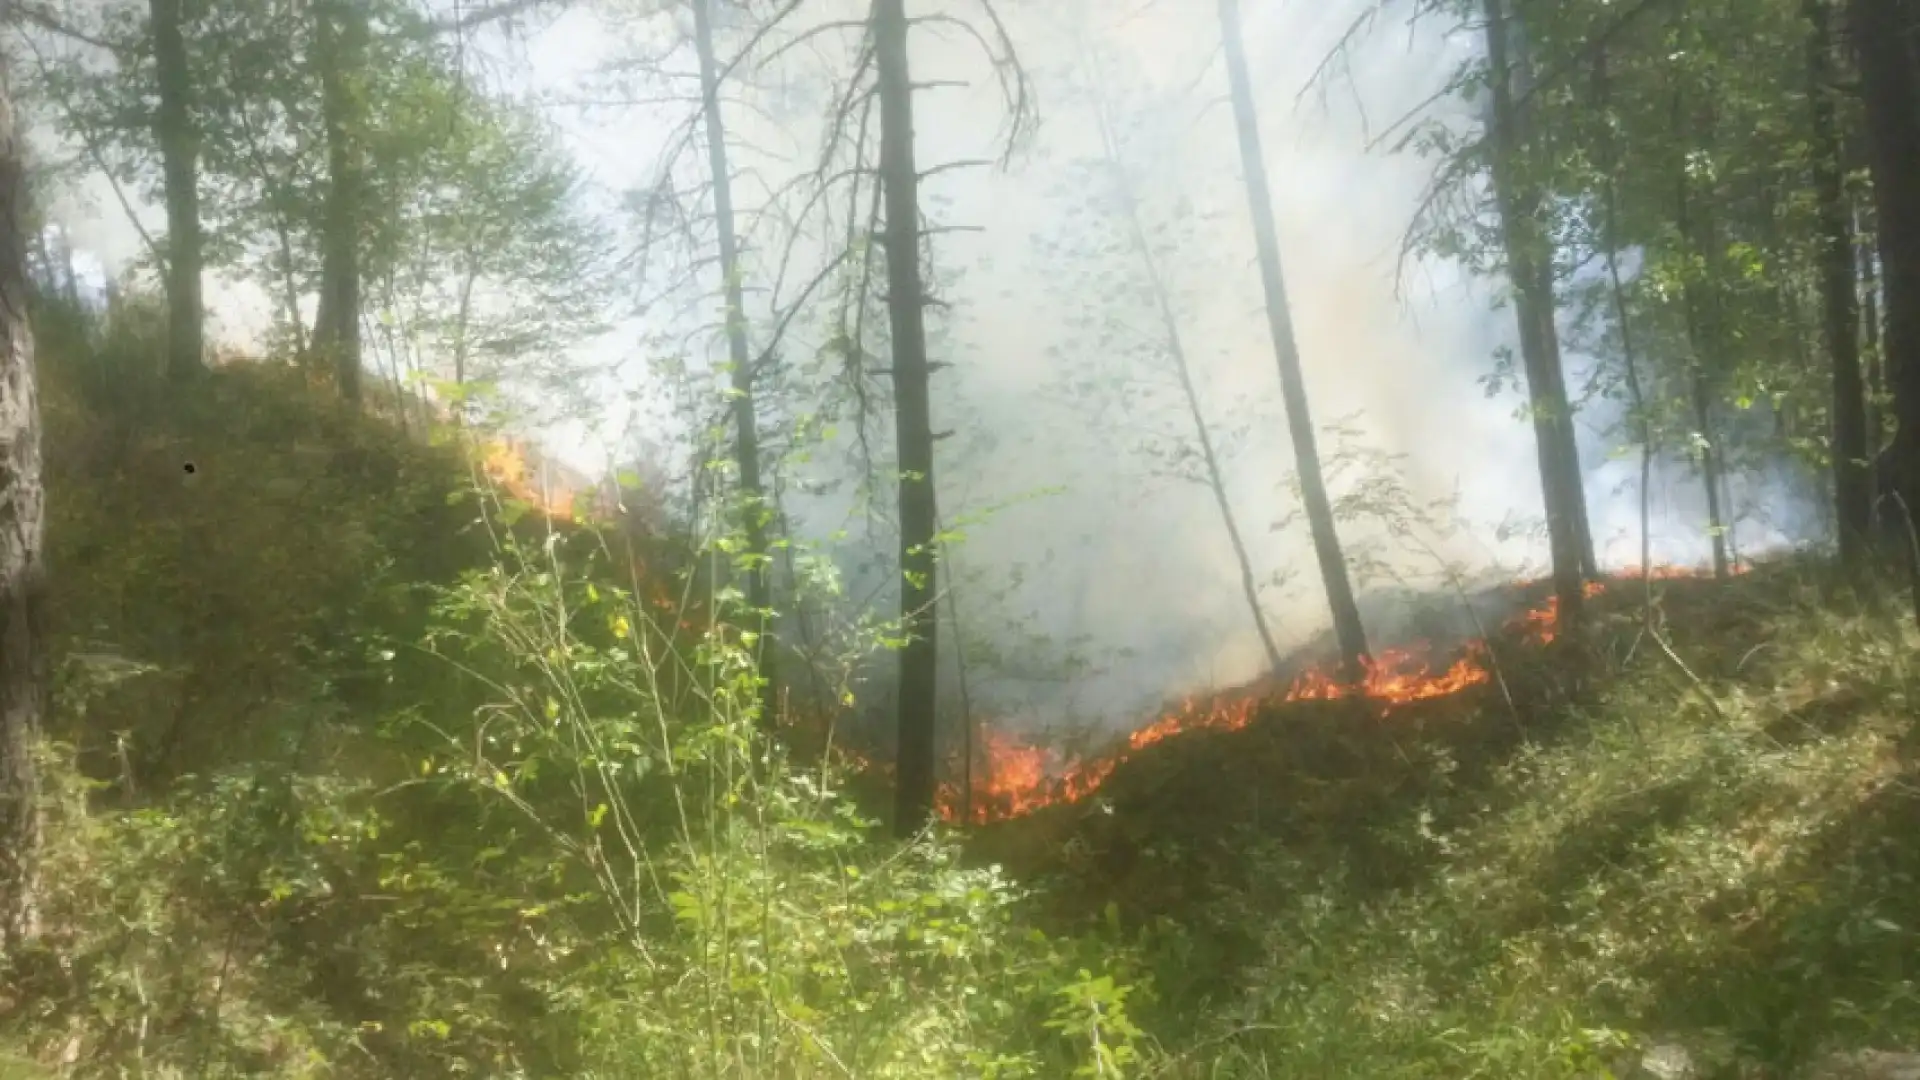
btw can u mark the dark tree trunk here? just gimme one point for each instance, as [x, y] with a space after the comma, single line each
[23, 662]
[754, 510]
[179, 140]
[1852, 485]
[1882, 33]
[913, 421]
[1529, 264]
[341, 53]
[1306, 454]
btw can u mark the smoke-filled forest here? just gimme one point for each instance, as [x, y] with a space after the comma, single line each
[791, 539]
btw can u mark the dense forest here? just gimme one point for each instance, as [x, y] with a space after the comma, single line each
[960, 538]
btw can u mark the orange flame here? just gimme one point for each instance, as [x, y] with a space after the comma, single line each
[505, 462]
[1020, 777]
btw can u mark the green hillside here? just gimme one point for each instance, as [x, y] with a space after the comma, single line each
[349, 783]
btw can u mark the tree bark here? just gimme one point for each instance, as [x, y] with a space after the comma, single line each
[754, 510]
[1347, 627]
[23, 661]
[1876, 385]
[1890, 88]
[1852, 486]
[913, 422]
[1177, 353]
[1701, 302]
[179, 140]
[341, 54]
[1530, 266]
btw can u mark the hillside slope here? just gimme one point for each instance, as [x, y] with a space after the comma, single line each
[1523, 886]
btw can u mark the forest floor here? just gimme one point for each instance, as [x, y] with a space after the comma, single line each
[1700, 840]
[1713, 854]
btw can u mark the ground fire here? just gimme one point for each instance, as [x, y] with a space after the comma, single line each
[1014, 777]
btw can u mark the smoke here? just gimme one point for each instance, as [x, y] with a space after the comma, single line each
[1089, 567]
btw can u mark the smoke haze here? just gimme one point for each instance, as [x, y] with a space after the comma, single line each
[1093, 546]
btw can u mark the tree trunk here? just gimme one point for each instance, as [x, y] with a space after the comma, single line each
[341, 52]
[1570, 484]
[1313, 489]
[23, 662]
[179, 141]
[1890, 86]
[1852, 486]
[1529, 265]
[1876, 384]
[913, 421]
[746, 431]
[1701, 299]
[1176, 351]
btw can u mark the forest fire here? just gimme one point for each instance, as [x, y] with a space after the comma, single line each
[506, 464]
[1016, 778]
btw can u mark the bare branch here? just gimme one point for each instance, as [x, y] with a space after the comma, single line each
[1014, 88]
[99, 159]
[492, 13]
[808, 35]
[949, 166]
[51, 23]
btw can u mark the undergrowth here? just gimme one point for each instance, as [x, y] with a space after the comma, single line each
[355, 774]
[1727, 867]
[436, 787]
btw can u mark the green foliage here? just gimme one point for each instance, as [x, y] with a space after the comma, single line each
[480, 253]
[1430, 900]
[506, 814]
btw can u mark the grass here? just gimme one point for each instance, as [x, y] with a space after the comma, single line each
[482, 816]
[1728, 866]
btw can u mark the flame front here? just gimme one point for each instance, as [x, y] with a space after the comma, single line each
[1019, 777]
[505, 463]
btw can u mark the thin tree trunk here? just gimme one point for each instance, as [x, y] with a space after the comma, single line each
[462, 316]
[1636, 394]
[46, 281]
[1852, 485]
[1704, 303]
[341, 49]
[966, 699]
[179, 141]
[1709, 457]
[282, 232]
[1313, 489]
[1611, 165]
[1518, 69]
[1566, 440]
[913, 422]
[1176, 351]
[746, 430]
[23, 660]
[70, 275]
[396, 355]
[1890, 88]
[1876, 384]
[1529, 266]
[290, 294]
